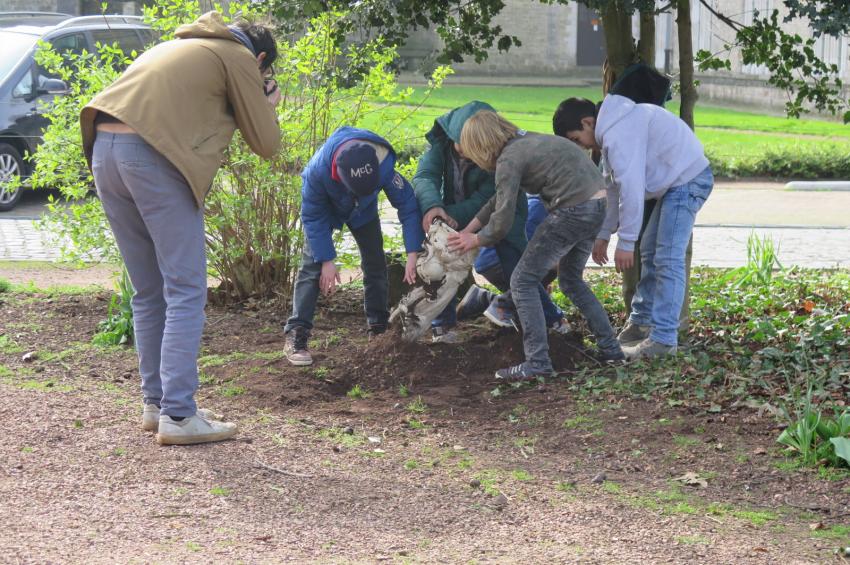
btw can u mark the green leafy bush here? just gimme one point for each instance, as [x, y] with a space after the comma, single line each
[829, 161]
[253, 212]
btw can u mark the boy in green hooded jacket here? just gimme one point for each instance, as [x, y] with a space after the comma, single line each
[451, 187]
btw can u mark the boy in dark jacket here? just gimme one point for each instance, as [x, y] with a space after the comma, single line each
[449, 186]
[340, 186]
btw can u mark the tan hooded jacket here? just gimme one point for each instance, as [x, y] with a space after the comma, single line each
[186, 97]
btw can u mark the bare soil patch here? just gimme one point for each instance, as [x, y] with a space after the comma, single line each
[424, 465]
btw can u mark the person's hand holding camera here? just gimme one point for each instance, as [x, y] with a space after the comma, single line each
[272, 91]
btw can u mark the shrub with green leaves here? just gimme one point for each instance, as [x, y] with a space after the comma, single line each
[828, 161]
[253, 211]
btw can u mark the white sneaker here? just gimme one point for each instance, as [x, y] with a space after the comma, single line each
[150, 417]
[191, 430]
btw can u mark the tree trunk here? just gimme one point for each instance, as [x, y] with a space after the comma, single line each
[686, 62]
[646, 43]
[619, 43]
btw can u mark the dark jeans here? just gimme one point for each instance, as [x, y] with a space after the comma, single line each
[373, 262]
[509, 256]
[566, 236]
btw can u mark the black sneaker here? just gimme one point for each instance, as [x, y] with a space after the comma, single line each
[295, 348]
[522, 373]
[608, 355]
[375, 330]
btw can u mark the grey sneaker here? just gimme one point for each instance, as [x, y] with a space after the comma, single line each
[633, 334]
[561, 327]
[295, 347]
[648, 349]
[192, 430]
[150, 417]
[474, 303]
[443, 335]
[499, 315]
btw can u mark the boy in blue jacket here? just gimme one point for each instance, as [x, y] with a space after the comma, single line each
[340, 186]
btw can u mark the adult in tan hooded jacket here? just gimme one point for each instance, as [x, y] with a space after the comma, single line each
[154, 140]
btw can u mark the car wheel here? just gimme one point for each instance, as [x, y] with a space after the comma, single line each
[11, 169]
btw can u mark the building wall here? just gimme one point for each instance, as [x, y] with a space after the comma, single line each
[547, 33]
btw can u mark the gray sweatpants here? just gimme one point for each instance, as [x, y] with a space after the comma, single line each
[160, 233]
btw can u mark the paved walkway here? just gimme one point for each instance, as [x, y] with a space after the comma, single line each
[810, 229]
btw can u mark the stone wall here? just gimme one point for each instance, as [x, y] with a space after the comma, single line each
[547, 34]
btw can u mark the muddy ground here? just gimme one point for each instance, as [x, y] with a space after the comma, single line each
[418, 463]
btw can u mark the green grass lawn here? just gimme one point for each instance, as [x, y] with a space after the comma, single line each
[724, 132]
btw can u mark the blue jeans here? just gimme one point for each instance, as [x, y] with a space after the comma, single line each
[509, 256]
[373, 262]
[661, 290]
[159, 230]
[566, 236]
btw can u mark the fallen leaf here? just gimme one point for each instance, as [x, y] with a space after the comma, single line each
[692, 479]
[808, 306]
[759, 451]
[816, 526]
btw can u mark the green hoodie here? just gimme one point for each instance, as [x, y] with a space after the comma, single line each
[434, 179]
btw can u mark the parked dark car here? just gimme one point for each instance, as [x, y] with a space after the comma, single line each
[25, 88]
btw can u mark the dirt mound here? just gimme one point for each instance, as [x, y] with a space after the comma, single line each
[388, 361]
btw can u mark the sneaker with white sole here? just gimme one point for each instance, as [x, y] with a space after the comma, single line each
[440, 334]
[633, 334]
[150, 417]
[295, 347]
[500, 315]
[561, 327]
[648, 349]
[522, 373]
[192, 430]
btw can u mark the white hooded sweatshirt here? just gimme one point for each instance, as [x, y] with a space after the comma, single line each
[647, 150]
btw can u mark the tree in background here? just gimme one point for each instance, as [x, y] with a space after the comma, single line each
[468, 29]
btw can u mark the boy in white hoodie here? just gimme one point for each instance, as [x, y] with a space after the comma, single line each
[650, 154]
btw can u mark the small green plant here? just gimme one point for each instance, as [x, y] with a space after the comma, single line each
[415, 424]
[117, 328]
[611, 487]
[417, 406]
[358, 392]
[818, 438]
[321, 373]
[762, 259]
[231, 390]
[5, 286]
[521, 475]
[220, 491]
[403, 391]
[411, 464]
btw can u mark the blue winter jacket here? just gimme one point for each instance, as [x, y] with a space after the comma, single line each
[487, 257]
[326, 204]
